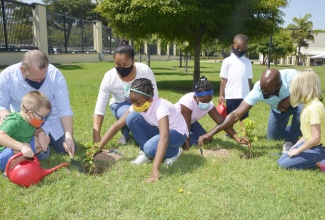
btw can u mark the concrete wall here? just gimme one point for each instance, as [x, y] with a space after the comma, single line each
[15, 57]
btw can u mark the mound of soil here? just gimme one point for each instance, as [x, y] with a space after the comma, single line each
[108, 157]
[216, 152]
[102, 162]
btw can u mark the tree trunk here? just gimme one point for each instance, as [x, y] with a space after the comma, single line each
[186, 62]
[298, 56]
[180, 58]
[148, 55]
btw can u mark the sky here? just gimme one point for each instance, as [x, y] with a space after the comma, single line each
[295, 8]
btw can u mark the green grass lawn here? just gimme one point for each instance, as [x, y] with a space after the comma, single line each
[195, 187]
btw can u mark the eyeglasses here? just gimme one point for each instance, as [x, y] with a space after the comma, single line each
[32, 111]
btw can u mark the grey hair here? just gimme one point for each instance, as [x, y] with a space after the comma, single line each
[35, 57]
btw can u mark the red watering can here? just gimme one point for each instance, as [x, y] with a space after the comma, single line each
[26, 172]
[222, 109]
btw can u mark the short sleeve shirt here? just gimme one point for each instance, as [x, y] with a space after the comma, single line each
[160, 108]
[312, 113]
[256, 95]
[17, 128]
[237, 71]
[189, 102]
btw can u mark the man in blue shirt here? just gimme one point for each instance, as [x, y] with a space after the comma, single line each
[35, 73]
[272, 89]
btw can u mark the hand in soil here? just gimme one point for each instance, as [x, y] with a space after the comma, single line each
[154, 176]
[204, 139]
[244, 140]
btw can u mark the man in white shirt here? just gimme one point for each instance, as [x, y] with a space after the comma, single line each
[35, 73]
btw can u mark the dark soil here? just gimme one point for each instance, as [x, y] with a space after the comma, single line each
[102, 162]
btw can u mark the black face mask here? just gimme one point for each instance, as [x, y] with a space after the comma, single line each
[267, 96]
[238, 53]
[124, 71]
[34, 84]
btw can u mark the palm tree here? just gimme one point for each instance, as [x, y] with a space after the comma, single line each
[302, 32]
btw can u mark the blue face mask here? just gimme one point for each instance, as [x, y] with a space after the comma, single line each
[34, 84]
[203, 106]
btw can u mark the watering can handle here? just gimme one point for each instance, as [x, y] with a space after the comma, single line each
[19, 154]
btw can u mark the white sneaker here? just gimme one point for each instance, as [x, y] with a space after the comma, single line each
[170, 161]
[123, 140]
[286, 147]
[140, 159]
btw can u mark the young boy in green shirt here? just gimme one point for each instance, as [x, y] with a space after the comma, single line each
[18, 129]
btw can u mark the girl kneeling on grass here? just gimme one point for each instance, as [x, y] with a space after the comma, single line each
[195, 105]
[160, 133]
[305, 88]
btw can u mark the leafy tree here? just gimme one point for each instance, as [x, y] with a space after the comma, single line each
[192, 21]
[281, 46]
[302, 32]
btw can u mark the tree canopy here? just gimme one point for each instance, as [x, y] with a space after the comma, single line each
[193, 21]
[302, 32]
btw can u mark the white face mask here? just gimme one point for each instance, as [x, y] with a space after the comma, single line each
[203, 106]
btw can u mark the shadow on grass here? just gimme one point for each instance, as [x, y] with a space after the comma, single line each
[258, 149]
[68, 66]
[184, 86]
[186, 163]
[2, 67]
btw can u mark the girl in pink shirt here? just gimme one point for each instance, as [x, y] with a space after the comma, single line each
[195, 105]
[160, 133]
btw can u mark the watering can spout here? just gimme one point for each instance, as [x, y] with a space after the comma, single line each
[47, 172]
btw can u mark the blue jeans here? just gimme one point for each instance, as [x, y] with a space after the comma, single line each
[118, 110]
[232, 104]
[195, 132]
[277, 125]
[304, 160]
[57, 146]
[7, 153]
[147, 136]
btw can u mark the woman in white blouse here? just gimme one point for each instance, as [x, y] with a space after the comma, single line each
[116, 82]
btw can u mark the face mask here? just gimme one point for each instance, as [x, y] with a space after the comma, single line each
[238, 53]
[36, 123]
[124, 71]
[34, 84]
[143, 108]
[203, 106]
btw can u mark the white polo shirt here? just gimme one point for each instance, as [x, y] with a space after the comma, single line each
[237, 71]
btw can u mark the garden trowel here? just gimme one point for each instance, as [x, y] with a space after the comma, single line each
[73, 162]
